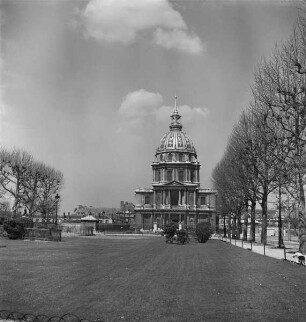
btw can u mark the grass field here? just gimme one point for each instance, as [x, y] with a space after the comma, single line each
[149, 280]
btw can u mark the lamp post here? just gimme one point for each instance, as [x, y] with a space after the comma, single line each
[57, 197]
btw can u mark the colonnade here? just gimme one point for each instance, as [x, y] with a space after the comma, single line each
[160, 175]
[166, 218]
[182, 197]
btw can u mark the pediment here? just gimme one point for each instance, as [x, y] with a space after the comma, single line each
[175, 183]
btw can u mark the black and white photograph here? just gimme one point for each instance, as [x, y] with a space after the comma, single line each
[152, 160]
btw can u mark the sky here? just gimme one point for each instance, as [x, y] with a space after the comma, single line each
[88, 86]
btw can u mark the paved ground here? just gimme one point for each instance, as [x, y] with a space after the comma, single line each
[270, 250]
[149, 280]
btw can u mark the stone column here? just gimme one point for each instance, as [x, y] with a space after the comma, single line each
[180, 198]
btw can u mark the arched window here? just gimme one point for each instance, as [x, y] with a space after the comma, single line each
[203, 200]
[181, 157]
[170, 157]
[169, 175]
[181, 175]
[193, 176]
[147, 199]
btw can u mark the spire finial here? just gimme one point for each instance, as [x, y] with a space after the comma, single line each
[175, 118]
[175, 106]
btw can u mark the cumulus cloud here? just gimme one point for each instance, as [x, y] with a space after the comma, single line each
[138, 105]
[122, 21]
[2, 104]
[178, 39]
[187, 112]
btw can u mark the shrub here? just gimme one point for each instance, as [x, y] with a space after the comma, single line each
[14, 229]
[182, 236]
[169, 232]
[203, 232]
[25, 222]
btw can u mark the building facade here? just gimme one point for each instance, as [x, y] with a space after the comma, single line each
[175, 195]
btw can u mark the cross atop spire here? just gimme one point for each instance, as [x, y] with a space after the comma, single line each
[175, 106]
[175, 118]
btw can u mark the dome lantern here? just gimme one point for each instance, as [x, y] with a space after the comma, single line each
[175, 118]
[175, 140]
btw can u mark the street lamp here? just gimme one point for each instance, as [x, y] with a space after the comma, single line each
[57, 197]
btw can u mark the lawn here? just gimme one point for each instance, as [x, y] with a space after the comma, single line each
[149, 280]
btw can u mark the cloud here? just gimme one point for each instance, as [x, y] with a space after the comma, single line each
[122, 21]
[138, 105]
[178, 39]
[187, 112]
[2, 103]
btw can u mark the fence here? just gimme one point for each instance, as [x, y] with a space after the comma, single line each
[43, 234]
[114, 227]
[288, 254]
[17, 316]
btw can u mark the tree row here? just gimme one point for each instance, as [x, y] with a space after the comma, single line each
[28, 184]
[266, 152]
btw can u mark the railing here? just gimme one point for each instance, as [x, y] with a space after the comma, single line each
[43, 234]
[17, 316]
[176, 207]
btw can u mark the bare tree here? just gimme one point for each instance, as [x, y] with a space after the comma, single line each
[13, 171]
[31, 184]
[281, 86]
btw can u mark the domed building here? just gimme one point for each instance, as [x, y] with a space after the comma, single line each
[175, 195]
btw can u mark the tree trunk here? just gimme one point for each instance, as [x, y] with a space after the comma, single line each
[239, 228]
[253, 209]
[32, 202]
[234, 228]
[230, 227]
[264, 208]
[245, 229]
[302, 216]
[280, 224]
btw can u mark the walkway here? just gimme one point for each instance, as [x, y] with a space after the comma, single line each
[270, 250]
